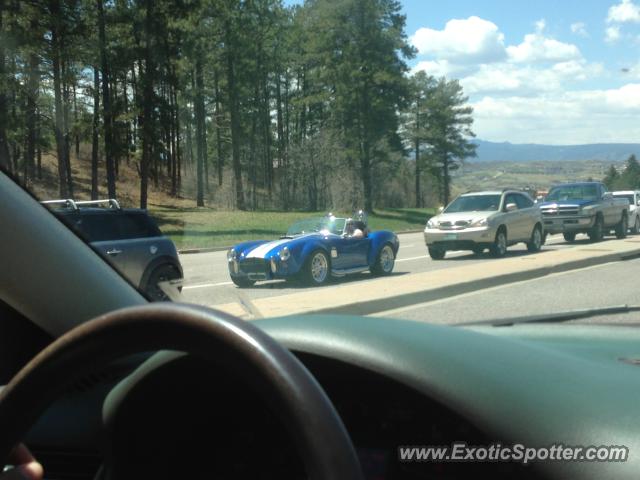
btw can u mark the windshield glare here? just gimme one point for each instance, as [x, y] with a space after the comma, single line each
[474, 203]
[320, 224]
[573, 192]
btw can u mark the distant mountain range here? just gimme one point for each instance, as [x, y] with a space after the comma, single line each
[530, 152]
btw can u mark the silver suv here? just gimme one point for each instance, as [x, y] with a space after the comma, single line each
[479, 220]
[129, 239]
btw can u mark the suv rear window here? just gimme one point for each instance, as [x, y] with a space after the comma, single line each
[100, 227]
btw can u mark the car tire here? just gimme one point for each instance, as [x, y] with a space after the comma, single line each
[635, 230]
[243, 282]
[317, 270]
[535, 243]
[597, 231]
[161, 273]
[622, 226]
[499, 246]
[569, 237]
[385, 261]
[437, 253]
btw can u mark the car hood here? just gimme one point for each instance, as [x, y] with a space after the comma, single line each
[464, 216]
[561, 203]
[266, 249]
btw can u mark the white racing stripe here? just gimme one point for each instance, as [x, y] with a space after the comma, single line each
[261, 250]
[204, 285]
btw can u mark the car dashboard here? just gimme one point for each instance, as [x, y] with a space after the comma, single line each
[394, 383]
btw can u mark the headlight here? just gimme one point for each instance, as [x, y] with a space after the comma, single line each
[588, 208]
[284, 254]
[483, 222]
[432, 223]
[231, 255]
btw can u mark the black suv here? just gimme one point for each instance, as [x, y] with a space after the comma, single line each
[128, 238]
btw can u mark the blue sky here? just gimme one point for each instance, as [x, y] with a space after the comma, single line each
[557, 72]
[536, 71]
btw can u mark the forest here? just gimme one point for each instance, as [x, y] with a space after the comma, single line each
[269, 106]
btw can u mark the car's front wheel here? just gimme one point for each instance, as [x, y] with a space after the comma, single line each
[499, 247]
[161, 274]
[385, 262]
[242, 282]
[622, 226]
[535, 243]
[597, 231]
[437, 253]
[317, 269]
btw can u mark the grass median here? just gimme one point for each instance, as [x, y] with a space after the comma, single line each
[207, 228]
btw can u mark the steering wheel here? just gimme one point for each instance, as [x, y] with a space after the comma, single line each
[279, 377]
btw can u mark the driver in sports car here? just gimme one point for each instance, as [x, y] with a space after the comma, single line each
[353, 230]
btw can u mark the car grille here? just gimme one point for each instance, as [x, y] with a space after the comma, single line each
[561, 210]
[254, 265]
[453, 225]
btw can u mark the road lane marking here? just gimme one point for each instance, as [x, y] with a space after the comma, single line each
[204, 285]
[410, 258]
[482, 291]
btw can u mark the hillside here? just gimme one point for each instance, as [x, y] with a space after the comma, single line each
[538, 175]
[530, 152]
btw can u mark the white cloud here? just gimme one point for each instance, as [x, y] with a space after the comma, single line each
[612, 34]
[471, 40]
[444, 68]
[536, 47]
[561, 117]
[624, 12]
[527, 80]
[579, 28]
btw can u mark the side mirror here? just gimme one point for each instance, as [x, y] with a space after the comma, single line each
[607, 196]
[511, 207]
[441, 209]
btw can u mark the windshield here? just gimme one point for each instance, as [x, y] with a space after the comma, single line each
[629, 197]
[474, 203]
[312, 225]
[573, 192]
[204, 130]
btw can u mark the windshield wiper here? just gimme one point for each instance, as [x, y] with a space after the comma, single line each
[557, 317]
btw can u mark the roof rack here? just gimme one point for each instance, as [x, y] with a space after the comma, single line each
[112, 202]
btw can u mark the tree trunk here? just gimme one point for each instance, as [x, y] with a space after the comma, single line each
[147, 115]
[106, 105]
[66, 104]
[235, 124]
[95, 137]
[33, 84]
[417, 155]
[201, 142]
[38, 146]
[5, 159]
[76, 129]
[445, 179]
[54, 7]
[220, 159]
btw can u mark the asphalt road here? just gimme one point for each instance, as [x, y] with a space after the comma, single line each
[207, 279]
[610, 284]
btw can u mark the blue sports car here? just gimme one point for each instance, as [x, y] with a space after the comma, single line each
[313, 250]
